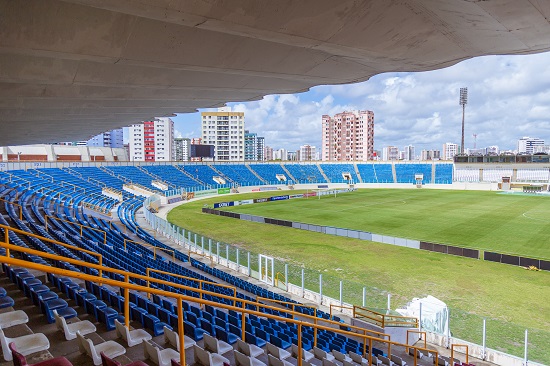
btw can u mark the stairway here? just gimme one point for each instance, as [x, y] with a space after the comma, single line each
[357, 172]
[288, 173]
[255, 174]
[322, 172]
[227, 179]
[189, 175]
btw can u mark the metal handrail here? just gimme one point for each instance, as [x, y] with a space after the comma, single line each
[77, 224]
[151, 246]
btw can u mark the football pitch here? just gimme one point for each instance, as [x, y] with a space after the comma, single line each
[512, 299]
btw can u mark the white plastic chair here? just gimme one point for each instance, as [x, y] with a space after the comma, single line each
[320, 354]
[206, 358]
[329, 363]
[132, 337]
[339, 356]
[13, 318]
[159, 357]
[84, 326]
[173, 338]
[111, 348]
[244, 360]
[274, 361]
[398, 360]
[248, 349]
[306, 355]
[25, 345]
[277, 352]
[357, 358]
[385, 360]
[214, 345]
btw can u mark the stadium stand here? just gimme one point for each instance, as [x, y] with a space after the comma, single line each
[405, 173]
[96, 174]
[334, 172]
[238, 173]
[306, 173]
[375, 173]
[466, 175]
[173, 176]
[268, 172]
[532, 175]
[495, 175]
[443, 173]
[134, 175]
[52, 197]
[205, 174]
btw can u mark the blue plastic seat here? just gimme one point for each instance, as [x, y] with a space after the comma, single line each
[60, 305]
[225, 336]
[30, 283]
[108, 316]
[260, 333]
[3, 292]
[6, 302]
[155, 325]
[93, 305]
[208, 327]
[196, 333]
[252, 339]
[82, 296]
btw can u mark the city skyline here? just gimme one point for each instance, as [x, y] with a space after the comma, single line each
[414, 108]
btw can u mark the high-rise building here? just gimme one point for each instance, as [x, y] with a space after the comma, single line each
[113, 139]
[268, 153]
[430, 155]
[348, 136]
[225, 130]
[151, 140]
[307, 153]
[182, 148]
[449, 150]
[409, 153]
[280, 154]
[292, 156]
[253, 146]
[390, 153]
[527, 145]
[493, 150]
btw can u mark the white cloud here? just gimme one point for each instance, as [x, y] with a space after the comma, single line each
[509, 97]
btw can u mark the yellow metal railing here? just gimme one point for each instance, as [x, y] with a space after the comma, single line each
[416, 331]
[211, 257]
[200, 282]
[7, 229]
[15, 204]
[453, 346]
[380, 319]
[151, 246]
[46, 217]
[277, 279]
[127, 286]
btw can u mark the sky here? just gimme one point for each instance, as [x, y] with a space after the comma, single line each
[508, 98]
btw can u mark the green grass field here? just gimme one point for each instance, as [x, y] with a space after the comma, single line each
[511, 298]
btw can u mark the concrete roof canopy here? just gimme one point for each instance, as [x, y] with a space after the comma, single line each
[72, 69]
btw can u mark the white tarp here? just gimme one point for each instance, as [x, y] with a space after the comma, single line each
[434, 315]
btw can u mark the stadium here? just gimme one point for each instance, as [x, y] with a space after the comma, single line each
[112, 262]
[116, 209]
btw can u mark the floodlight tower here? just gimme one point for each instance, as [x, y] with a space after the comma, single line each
[463, 101]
